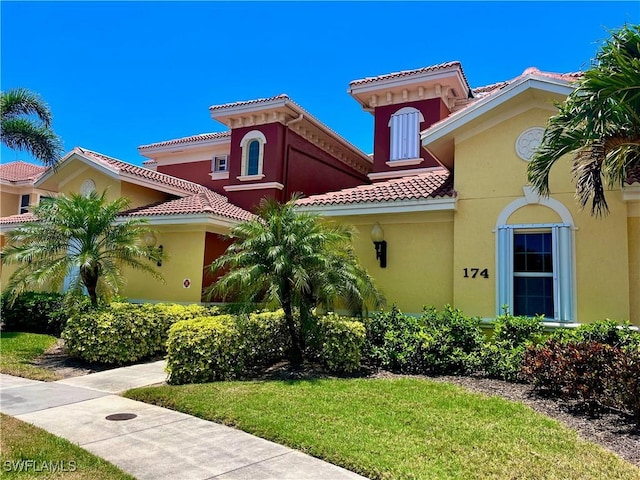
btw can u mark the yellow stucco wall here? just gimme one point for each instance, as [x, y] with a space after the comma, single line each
[419, 257]
[488, 177]
[633, 225]
[83, 172]
[184, 247]
[9, 204]
[140, 196]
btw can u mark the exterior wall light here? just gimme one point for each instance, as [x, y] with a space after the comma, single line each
[150, 241]
[377, 235]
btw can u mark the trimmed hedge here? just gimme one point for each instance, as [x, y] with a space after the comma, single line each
[123, 332]
[338, 342]
[224, 347]
[36, 312]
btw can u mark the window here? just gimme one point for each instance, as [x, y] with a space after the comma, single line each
[252, 155]
[405, 134]
[24, 203]
[253, 158]
[219, 163]
[535, 270]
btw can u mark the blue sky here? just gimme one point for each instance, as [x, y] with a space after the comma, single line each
[122, 74]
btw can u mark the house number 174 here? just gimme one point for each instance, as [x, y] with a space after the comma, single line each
[474, 272]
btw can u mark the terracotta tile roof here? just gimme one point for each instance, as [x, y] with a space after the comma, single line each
[144, 173]
[434, 184]
[282, 96]
[408, 73]
[202, 137]
[25, 217]
[206, 201]
[20, 171]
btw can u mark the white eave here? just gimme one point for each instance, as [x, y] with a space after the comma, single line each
[392, 206]
[488, 103]
[196, 144]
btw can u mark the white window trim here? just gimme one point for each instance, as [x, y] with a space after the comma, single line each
[249, 136]
[397, 133]
[564, 264]
[219, 175]
[214, 168]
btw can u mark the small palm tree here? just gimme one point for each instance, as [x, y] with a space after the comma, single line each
[296, 261]
[25, 124]
[82, 238]
[599, 124]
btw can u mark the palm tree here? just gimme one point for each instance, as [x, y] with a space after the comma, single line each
[82, 238]
[25, 124]
[297, 262]
[599, 124]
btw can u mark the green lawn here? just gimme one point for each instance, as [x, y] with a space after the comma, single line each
[18, 349]
[401, 428]
[30, 452]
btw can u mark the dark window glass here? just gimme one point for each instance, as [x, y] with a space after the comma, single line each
[24, 203]
[253, 157]
[533, 296]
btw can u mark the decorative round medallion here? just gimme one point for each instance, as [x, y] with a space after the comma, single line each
[528, 142]
[87, 187]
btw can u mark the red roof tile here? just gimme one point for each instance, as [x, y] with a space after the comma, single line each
[434, 184]
[144, 173]
[202, 137]
[20, 171]
[408, 73]
[282, 96]
[25, 217]
[206, 201]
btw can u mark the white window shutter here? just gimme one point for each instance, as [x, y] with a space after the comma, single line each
[505, 268]
[565, 274]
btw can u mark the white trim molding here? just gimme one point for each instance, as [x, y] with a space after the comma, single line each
[253, 186]
[402, 173]
[372, 208]
[244, 143]
[405, 162]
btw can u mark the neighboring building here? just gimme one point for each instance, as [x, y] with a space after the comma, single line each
[446, 184]
[17, 190]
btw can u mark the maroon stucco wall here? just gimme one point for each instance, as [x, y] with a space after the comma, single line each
[289, 159]
[311, 170]
[214, 246]
[197, 172]
[432, 110]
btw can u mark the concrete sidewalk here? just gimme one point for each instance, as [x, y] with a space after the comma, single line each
[158, 443]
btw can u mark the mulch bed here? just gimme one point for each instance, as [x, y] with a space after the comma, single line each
[613, 430]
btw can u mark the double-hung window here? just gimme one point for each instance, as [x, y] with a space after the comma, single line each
[535, 270]
[219, 164]
[24, 203]
[405, 134]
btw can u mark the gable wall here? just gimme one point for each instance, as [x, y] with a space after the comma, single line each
[488, 177]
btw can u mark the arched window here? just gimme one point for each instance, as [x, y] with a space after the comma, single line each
[253, 157]
[252, 145]
[534, 263]
[405, 134]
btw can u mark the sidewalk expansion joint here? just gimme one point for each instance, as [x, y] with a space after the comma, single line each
[134, 431]
[250, 465]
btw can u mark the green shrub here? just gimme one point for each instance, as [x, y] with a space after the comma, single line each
[391, 340]
[451, 342]
[39, 312]
[337, 343]
[224, 347]
[124, 332]
[608, 332]
[204, 350]
[503, 358]
[265, 338]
